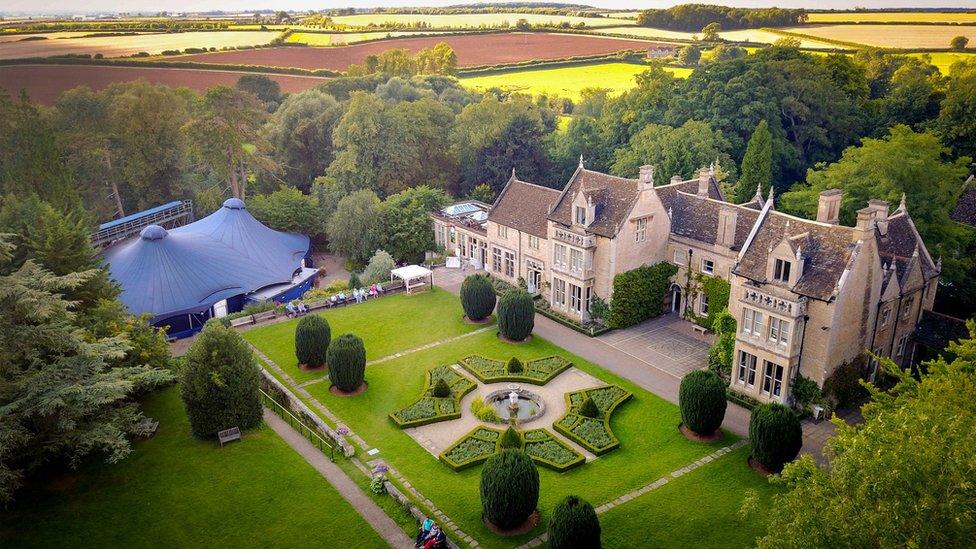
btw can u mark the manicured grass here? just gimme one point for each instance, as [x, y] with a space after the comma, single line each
[647, 427]
[700, 509]
[472, 20]
[178, 491]
[386, 324]
[566, 81]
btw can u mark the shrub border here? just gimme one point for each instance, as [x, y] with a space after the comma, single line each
[428, 387]
[568, 433]
[513, 378]
[460, 466]
[551, 465]
[559, 468]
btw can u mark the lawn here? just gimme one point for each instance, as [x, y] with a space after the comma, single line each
[387, 325]
[473, 20]
[646, 425]
[566, 81]
[177, 491]
[699, 509]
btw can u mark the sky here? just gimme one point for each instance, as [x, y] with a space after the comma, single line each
[152, 6]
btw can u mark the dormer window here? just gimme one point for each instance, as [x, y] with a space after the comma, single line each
[781, 270]
[580, 216]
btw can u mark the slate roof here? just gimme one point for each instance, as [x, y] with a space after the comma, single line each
[695, 218]
[826, 250]
[898, 247]
[613, 196]
[524, 206]
[936, 330]
[965, 210]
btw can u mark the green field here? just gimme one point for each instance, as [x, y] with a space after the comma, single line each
[892, 17]
[178, 491]
[566, 81]
[473, 20]
[945, 60]
[650, 444]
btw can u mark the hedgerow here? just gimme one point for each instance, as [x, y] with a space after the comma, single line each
[430, 408]
[537, 372]
[594, 434]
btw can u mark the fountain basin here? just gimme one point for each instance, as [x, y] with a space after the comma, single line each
[530, 405]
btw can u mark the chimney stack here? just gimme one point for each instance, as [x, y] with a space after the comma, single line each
[727, 218]
[828, 208]
[704, 177]
[880, 209]
[646, 179]
[865, 224]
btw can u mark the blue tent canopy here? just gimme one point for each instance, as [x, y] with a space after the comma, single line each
[189, 268]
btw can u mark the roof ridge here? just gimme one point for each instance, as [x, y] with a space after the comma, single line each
[536, 185]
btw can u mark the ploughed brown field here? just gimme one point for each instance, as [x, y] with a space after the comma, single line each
[44, 83]
[472, 50]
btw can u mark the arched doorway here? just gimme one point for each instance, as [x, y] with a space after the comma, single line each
[675, 293]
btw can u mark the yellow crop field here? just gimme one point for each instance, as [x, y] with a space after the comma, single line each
[892, 17]
[890, 36]
[473, 20]
[117, 46]
[43, 35]
[944, 60]
[342, 39]
[566, 81]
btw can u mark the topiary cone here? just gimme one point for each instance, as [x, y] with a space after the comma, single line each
[312, 338]
[477, 297]
[509, 489]
[516, 315]
[347, 362]
[510, 438]
[775, 434]
[702, 402]
[574, 525]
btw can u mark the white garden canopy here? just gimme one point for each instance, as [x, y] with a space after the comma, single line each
[413, 276]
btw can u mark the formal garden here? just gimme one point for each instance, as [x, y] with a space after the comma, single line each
[426, 415]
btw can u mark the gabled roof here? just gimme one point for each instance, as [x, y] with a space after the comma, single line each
[524, 206]
[697, 218]
[901, 246]
[613, 197]
[965, 210]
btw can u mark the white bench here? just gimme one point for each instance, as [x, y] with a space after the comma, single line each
[229, 435]
[699, 329]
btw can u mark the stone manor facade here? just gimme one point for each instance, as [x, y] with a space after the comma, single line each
[808, 295]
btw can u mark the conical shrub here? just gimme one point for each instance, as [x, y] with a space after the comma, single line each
[574, 525]
[775, 434]
[477, 297]
[510, 438]
[702, 401]
[312, 338]
[441, 388]
[514, 366]
[589, 408]
[516, 315]
[509, 488]
[347, 362]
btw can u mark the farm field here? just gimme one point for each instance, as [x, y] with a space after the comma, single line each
[892, 17]
[44, 83]
[770, 37]
[890, 36]
[118, 46]
[47, 35]
[472, 50]
[648, 32]
[473, 20]
[566, 81]
[944, 60]
[341, 39]
[752, 35]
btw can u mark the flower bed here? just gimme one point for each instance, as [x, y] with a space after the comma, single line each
[480, 444]
[430, 409]
[594, 434]
[537, 372]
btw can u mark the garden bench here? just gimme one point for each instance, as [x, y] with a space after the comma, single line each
[228, 435]
[320, 304]
[261, 317]
[699, 329]
[249, 319]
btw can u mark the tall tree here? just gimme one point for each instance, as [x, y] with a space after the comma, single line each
[301, 133]
[287, 209]
[264, 88]
[902, 478]
[956, 124]
[408, 230]
[757, 164]
[355, 228]
[673, 151]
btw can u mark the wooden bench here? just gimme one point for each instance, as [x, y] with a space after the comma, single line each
[228, 435]
[241, 321]
[267, 315]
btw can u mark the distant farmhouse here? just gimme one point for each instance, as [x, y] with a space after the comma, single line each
[808, 296]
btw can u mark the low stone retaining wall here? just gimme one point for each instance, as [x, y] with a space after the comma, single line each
[295, 404]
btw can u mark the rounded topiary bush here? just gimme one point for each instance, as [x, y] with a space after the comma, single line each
[589, 408]
[574, 525]
[702, 401]
[514, 366]
[220, 382]
[477, 297]
[776, 435]
[312, 337]
[441, 389]
[510, 438]
[347, 362]
[516, 315]
[509, 489]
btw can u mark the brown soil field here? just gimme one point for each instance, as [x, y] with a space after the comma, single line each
[117, 46]
[44, 83]
[472, 50]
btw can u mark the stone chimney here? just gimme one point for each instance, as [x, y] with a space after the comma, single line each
[828, 208]
[727, 218]
[864, 227]
[704, 177]
[880, 209]
[646, 179]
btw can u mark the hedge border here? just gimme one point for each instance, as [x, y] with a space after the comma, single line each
[478, 460]
[570, 409]
[428, 388]
[514, 378]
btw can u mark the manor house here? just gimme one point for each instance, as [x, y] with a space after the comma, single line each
[808, 295]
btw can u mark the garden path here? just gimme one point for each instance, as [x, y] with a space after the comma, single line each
[348, 489]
